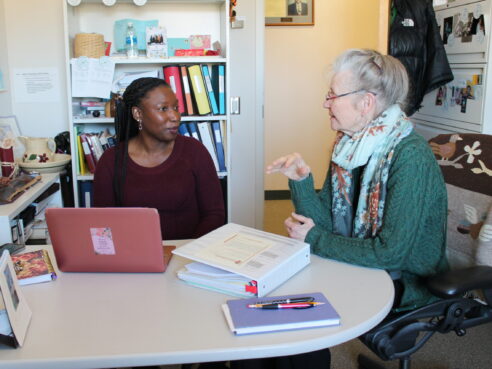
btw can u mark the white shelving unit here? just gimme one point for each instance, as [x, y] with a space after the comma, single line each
[183, 18]
[9, 212]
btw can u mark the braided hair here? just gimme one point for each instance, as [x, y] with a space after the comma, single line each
[126, 127]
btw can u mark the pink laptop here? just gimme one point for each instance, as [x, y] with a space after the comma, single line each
[106, 239]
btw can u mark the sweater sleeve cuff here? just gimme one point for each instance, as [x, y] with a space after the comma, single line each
[312, 238]
[299, 189]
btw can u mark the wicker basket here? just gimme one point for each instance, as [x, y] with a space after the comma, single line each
[89, 44]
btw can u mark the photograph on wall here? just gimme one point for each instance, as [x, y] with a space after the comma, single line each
[467, 34]
[289, 12]
[478, 25]
[448, 29]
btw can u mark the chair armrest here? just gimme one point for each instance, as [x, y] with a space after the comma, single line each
[456, 282]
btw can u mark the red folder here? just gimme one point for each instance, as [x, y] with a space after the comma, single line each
[187, 90]
[89, 156]
[173, 79]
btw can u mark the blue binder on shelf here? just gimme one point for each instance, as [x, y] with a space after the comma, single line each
[193, 129]
[85, 194]
[218, 85]
[183, 130]
[210, 91]
[219, 146]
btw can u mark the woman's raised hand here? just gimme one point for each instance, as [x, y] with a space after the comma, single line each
[291, 166]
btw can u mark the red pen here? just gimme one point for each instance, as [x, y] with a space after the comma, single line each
[293, 305]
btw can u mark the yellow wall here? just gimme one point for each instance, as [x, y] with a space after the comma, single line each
[297, 61]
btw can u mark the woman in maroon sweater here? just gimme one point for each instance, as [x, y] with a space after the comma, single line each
[157, 168]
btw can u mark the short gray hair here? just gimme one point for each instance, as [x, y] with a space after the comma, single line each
[382, 74]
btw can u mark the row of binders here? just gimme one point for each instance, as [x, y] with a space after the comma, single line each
[210, 134]
[200, 88]
[90, 147]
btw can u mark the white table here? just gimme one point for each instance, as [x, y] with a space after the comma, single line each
[117, 320]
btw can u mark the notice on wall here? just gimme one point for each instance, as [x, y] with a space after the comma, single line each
[35, 85]
[92, 77]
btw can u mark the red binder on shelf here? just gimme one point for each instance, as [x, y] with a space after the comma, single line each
[173, 79]
[199, 91]
[89, 157]
[187, 91]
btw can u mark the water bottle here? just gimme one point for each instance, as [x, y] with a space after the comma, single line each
[131, 41]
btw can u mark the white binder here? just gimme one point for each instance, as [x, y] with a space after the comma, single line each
[266, 258]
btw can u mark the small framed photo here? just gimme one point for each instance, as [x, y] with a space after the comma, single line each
[289, 12]
[15, 314]
[9, 133]
[156, 41]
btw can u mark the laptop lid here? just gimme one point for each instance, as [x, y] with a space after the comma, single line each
[106, 239]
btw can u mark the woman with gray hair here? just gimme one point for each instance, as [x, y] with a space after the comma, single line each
[383, 203]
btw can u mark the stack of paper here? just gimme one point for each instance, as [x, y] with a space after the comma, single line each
[206, 276]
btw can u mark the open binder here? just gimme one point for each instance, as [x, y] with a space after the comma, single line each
[258, 261]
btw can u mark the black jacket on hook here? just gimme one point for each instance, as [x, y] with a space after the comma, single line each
[414, 39]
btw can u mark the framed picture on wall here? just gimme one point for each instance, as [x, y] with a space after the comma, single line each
[289, 12]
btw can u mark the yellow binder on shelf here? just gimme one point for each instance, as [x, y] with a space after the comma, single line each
[199, 91]
[80, 155]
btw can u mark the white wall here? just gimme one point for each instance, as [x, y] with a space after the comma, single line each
[34, 40]
[5, 96]
[297, 61]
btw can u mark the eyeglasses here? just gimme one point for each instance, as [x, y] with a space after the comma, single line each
[332, 96]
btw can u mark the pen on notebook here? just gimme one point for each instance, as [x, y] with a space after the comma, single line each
[287, 301]
[294, 305]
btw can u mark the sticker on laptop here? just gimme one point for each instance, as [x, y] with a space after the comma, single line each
[102, 241]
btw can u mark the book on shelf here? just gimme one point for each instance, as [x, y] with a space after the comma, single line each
[199, 89]
[190, 108]
[173, 78]
[33, 267]
[85, 194]
[219, 147]
[210, 91]
[218, 85]
[242, 319]
[206, 137]
[183, 130]
[264, 260]
[88, 155]
[82, 167]
[193, 129]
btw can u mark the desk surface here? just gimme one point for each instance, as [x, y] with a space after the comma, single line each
[116, 320]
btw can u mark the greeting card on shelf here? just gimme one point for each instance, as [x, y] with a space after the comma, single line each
[156, 39]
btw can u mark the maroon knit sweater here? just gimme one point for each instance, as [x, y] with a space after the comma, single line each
[184, 189]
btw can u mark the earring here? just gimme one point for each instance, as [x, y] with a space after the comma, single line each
[139, 125]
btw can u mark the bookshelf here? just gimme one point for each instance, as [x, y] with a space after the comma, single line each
[243, 179]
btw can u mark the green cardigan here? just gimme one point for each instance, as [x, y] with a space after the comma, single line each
[412, 238]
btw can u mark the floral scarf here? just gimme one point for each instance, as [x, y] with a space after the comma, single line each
[372, 147]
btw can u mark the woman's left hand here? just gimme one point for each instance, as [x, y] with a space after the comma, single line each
[298, 226]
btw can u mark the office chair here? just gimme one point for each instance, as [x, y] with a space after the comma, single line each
[465, 290]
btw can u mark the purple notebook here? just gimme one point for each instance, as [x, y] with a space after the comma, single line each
[244, 320]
